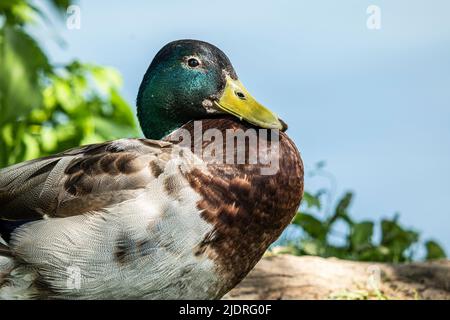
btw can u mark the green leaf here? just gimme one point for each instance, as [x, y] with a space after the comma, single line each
[106, 79]
[434, 251]
[393, 233]
[397, 239]
[344, 203]
[49, 139]
[311, 201]
[31, 147]
[341, 209]
[7, 134]
[122, 111]
[63, 95]
[61, 4]
[113, 130]
[314, 227]
[22, 62]
[361, 234]
[16, 12]
[312, 247]
[379, 253]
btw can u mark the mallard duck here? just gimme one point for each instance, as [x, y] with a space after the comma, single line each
[155, 218]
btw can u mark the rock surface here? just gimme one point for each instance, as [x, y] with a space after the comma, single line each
[292, 277]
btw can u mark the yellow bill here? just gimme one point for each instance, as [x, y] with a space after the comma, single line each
[237, 101]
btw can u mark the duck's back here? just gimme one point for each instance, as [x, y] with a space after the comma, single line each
[111, 220]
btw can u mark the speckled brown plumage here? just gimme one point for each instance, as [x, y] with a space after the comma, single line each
[248, 210]
[81, 180]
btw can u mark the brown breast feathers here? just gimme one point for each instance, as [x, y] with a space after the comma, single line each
[249, 204]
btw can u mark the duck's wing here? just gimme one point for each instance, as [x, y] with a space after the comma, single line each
[79, 180]
[104, 213]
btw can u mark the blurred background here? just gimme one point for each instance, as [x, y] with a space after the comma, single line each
[363, 85]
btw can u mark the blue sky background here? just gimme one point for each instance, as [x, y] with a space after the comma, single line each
[374, 104]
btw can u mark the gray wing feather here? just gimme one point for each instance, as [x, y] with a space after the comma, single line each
[80, 179]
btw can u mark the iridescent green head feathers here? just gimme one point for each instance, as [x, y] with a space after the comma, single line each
[188, 80]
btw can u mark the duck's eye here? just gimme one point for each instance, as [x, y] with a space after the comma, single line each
[240, 95]
[192, 62]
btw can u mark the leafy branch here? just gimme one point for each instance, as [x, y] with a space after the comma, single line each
[47, 108]
[397, 243]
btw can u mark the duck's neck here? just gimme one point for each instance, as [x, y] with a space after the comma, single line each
[158, 110]
[163, 107]
[156, 123]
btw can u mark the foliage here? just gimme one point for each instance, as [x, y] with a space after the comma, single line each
[45, 109]
[396, 244]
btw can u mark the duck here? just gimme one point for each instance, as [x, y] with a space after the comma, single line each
[184, 213]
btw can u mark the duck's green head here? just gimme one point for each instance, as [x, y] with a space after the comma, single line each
[190, 80]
